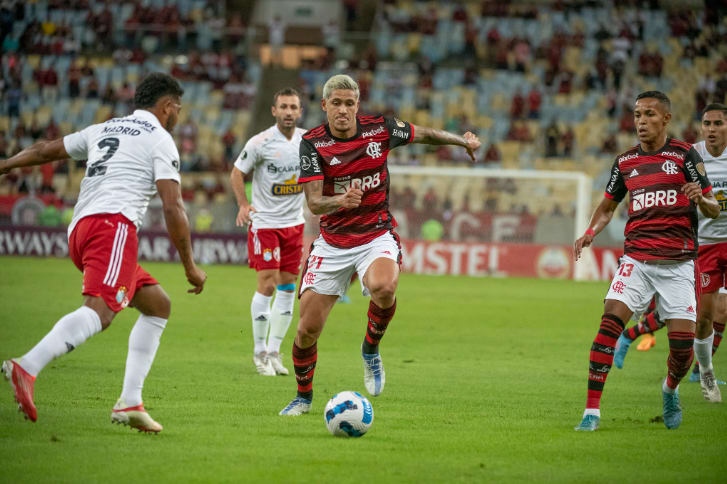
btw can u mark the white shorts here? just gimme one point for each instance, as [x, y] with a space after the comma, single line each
[329, 269]
[636, 282]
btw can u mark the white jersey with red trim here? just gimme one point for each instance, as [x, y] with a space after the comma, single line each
[276, 195]
[126, 156]
[714, 231]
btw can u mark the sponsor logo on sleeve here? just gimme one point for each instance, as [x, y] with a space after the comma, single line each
[400, 134]
[305, 163]
[700, 169]
[399, 122]
[243, 156]
[175, 164]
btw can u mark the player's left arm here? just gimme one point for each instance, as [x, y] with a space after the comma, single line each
[39, 153]
[698, 188]
[431, 136]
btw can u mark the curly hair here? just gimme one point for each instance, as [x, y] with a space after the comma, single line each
[153, 87]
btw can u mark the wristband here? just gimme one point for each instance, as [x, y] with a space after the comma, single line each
[590, 232]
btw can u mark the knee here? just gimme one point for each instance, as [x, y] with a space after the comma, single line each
[383, 291]
[306, 336]
[164, 309]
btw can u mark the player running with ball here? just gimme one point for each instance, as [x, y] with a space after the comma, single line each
[666, 181]
[346, 180]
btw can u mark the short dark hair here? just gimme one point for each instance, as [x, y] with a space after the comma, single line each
[715, 107]
[658, 95]
[287, 91]
[155, 86]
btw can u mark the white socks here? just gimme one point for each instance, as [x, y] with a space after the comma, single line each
[703, 350]
[280, 319]
[665, 388]
[69, 332]
[260, 311]
[592, 411]
[143, 344]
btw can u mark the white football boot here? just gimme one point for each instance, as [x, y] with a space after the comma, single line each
[276, 360]
[710, 390]
[263, 364]
[135, 417]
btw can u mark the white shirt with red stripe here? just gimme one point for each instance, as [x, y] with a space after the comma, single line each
[714, 231]
[276, 195]
[126, 157]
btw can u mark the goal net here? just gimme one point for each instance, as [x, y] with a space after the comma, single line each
[490, 222]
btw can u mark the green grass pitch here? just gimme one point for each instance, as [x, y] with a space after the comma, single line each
[486, 379]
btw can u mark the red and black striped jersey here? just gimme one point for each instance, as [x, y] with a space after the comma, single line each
[662, 220]
[361, 158]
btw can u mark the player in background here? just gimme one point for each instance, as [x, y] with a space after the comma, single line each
[645, 327]
[712, 258]
[130, 159]
[275, 233]
[666, 181]
[346, 180]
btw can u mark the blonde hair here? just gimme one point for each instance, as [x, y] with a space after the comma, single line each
[339, 81]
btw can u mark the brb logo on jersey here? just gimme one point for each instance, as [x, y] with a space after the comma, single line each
[659, 198]
[340, 185]
[670, 168]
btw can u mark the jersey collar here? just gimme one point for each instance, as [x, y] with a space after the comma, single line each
[147, 115]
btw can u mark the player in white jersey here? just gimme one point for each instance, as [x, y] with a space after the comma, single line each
[130, 159]
[275, 234]
[712, 233]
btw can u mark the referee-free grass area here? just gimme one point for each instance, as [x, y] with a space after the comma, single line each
[486, 379]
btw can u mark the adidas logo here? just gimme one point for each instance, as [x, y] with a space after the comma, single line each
[633, 174]
[262, 317]
[335, 161]
[70, 347]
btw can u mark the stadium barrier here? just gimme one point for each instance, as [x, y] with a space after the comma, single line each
[420, 257]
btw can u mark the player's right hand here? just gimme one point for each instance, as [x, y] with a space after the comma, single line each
[197, 278]
[243, 215]
[3, 169]
[584, 241]
[352, 197]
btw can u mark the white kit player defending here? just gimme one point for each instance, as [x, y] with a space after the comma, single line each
[129, 160]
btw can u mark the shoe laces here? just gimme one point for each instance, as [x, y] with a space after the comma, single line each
[296, 402]
[672, 402]
[373, 362]
[709, 380]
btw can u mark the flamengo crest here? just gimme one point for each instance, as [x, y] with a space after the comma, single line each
[669, 167]
[374, 149]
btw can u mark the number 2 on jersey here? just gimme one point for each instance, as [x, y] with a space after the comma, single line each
[97, 168]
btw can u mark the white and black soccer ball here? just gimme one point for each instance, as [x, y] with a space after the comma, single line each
[348, 414]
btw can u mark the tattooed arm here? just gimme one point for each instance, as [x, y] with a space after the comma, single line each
[431, 136]
[319, 204]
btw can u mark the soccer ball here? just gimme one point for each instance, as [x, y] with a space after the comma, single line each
[348, 414]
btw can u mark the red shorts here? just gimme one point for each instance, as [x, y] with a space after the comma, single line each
[712, 260]
[104, 247]
[279, 249]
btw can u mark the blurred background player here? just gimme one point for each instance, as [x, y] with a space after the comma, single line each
[712, 259]
[666, 180]
[345, 178]
[130, 159]
[645, 327]
[275, 233]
